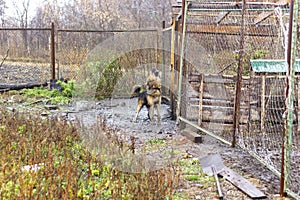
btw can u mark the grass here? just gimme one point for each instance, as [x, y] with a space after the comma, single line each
[68, 170]
[192, 174]
[53, 96]
[155, 144]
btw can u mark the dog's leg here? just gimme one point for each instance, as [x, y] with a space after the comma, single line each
[138, 109]
[158, 110]
[151, 112]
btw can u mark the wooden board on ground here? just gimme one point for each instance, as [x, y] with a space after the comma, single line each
[193, 136]
[20, 86]
[242, 183]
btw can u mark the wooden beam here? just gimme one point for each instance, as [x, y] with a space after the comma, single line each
[221, 16]
[191, 135]
[262, 16]
[231, 29]
[282, 2]
[241, 183]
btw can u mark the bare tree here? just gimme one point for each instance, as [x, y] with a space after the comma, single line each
[143, 13]
[21, 19]
[2, 8]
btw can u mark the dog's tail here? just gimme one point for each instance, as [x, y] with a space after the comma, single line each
[136, 91]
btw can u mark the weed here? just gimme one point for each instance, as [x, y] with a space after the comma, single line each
[53, 96]
[69, 170]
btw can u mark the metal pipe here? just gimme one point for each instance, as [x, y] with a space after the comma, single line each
[218, 182]
[289, 102]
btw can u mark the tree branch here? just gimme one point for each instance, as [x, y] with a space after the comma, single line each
[4, 58]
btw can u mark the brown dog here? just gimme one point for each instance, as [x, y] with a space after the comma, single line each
[150, 98]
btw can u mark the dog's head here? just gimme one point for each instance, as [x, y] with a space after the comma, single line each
[153, 82]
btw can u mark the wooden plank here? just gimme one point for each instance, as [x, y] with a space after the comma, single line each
[243, 184]
[200, 99]
[262, 16]
[221, 16]
[231, 29]
[222, 116]
[20, 86]
[282, 2]
[212, 126]
[207, 95]
[191, 135]
[219, 79]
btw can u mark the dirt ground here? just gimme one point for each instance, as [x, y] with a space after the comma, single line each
[119, 113]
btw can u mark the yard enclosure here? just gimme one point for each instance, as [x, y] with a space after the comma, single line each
[209, 56]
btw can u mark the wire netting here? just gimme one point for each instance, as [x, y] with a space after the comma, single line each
[25, 54]
[216, 27]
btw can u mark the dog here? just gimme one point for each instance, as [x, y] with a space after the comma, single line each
[149, 95]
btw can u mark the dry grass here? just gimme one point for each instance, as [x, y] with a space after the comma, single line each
[67, 169]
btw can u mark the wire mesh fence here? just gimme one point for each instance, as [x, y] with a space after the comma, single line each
[26, 54]
[211, 51]
[217, 28]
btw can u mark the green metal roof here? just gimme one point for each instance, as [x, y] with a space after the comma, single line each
[275, 66]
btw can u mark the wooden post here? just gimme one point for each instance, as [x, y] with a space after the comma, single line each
[163, 59]
[52, 51]
[201, 81]
[238, 84]
[172, 83]
[263, 102]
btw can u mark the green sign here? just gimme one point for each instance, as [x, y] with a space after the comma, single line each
[275, 66]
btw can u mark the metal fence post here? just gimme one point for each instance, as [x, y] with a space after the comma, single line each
[289, 102]
[52, 51]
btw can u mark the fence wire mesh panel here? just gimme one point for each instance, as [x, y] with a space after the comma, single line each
[25, 54]
[73, 48]
[211, 53]
[110, 62]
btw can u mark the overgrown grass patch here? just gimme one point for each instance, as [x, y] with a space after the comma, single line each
[54, 96]
[192, 171]
[66, 167]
